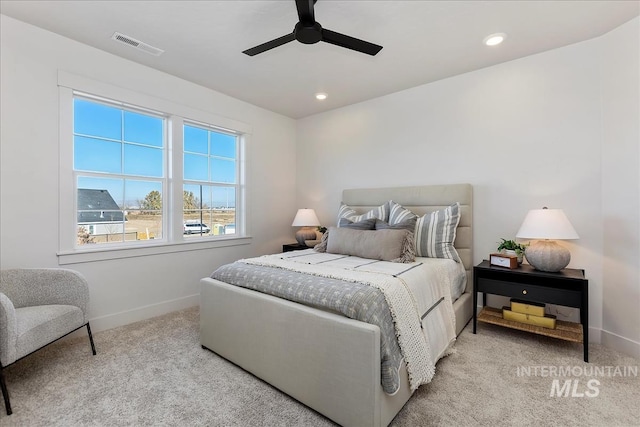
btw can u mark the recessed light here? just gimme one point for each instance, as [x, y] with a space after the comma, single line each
[494, 39]
[321, 96]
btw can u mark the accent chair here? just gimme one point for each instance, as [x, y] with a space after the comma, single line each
[38, 307]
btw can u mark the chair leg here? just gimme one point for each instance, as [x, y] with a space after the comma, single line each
[93, 347]
[5, 392]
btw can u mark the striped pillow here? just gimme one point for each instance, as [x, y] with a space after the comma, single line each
[381, 212]
[436, 233]
[398, 213]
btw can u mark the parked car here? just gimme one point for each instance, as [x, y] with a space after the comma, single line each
[196, 228]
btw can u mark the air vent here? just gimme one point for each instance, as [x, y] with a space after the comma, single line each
[119, 37]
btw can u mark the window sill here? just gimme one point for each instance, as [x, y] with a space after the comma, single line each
[102, 254]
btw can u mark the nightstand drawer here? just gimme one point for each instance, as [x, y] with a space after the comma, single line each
[529, 292]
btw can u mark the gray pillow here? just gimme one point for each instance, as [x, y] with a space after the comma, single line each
[385, 245]
[322, 246]
[407, 224]
[366, 224]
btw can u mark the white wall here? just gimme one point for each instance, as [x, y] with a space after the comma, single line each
[122, 290]
[621, 187]
[526, 134]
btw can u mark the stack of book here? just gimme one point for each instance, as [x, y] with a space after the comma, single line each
[531, 313]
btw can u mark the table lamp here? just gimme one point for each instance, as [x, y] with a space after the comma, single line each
[307, 219]
[547, 225]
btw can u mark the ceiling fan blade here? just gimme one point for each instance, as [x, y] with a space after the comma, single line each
[305, 11]
[350, 42]
[270, 44]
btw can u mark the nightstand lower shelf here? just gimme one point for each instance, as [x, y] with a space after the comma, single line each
[567, 331]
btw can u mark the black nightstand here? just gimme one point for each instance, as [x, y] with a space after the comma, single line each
[293, 247]
[567, 287]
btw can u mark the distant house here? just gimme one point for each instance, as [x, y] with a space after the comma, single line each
[98, 213]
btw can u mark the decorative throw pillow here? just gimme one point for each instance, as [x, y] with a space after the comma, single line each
[322, 246]
[407, 224]
[384, 245]
[365, 224]
[381, 212]
[398, 213]
[436, 233]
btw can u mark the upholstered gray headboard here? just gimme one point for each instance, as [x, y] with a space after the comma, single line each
[421, 200]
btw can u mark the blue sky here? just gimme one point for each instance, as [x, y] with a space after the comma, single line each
[114, 141]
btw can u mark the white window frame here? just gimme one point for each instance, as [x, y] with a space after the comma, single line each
[176, 114]
[238, 175]
[124, 176]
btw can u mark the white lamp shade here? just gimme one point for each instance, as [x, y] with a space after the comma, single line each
[305, 218]
[546, 224]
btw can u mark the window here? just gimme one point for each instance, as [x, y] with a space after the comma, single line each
[210, 180]
[142, 175]
[118, 162]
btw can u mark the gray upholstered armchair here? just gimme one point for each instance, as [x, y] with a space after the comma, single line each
[38, 307]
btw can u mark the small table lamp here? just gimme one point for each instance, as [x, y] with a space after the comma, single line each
[307, 219]
[547, 255]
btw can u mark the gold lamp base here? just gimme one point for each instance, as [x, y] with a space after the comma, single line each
[547, 255]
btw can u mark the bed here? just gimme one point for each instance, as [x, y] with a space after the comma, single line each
[293, 346]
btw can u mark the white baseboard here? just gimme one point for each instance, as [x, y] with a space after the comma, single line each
[619, 343]
[141, 313]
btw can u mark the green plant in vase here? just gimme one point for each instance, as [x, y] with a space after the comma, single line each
[511, 247]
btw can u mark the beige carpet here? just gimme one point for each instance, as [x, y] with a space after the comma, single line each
[154, 373]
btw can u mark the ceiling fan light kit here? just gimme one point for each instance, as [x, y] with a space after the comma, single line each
[308, 31]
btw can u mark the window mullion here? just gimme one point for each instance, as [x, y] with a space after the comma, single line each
[209, 172]
[122, 170]
[175, 145]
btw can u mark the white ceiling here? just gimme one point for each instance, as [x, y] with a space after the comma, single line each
[423, 41]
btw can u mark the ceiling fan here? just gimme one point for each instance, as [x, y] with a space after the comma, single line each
[308, 31]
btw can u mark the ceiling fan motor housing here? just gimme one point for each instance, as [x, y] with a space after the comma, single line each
[308, 34]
